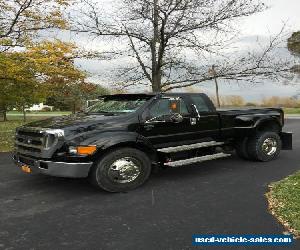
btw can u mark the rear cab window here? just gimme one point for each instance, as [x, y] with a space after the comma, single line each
[200, 103]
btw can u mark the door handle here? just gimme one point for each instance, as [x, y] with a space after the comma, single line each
[148, 126]
[193, 121]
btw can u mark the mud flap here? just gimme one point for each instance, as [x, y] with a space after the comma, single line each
[287, 140]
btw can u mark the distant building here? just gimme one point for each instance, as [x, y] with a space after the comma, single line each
[39, 107]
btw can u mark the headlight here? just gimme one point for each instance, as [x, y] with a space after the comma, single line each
[72, 150]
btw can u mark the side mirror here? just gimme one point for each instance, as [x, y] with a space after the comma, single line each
[195, 110]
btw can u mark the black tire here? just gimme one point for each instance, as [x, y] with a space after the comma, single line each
[101, 173]
[255, 146]
[241, 148]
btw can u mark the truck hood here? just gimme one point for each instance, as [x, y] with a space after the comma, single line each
[80, 123]
[61, 122]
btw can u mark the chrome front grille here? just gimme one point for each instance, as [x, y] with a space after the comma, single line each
[30, 140]
[37, 142]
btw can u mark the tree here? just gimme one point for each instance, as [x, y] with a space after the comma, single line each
[171, 39]
[75, 97]
[68, 85]
[17, 81]
[294, 48]
[54, 62]
[294, 43]
[22, 19]
[29, 76]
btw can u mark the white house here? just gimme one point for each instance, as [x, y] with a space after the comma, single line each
[39, 107]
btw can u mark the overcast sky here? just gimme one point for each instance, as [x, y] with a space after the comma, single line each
[259, 26]
[271, 21]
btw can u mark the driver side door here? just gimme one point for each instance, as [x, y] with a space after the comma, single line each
[160, 130]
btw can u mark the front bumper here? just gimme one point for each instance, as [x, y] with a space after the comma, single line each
[59, 169]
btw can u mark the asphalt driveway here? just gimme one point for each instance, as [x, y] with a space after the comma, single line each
[217, 197]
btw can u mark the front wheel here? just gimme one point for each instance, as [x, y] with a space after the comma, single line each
[121, 170]
[265, 146]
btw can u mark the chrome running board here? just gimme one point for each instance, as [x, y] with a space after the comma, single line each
[190, 147]
[196, 159]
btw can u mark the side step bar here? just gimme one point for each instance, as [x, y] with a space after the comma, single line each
[190, 147]
[196, 159]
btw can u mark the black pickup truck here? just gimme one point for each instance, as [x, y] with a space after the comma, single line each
[117, 141]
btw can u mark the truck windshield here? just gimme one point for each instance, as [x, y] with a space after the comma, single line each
[116, 106]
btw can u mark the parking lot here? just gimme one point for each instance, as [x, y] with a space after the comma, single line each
[217, 197]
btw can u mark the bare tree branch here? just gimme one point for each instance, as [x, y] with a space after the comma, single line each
[172, 41]
[20, 19]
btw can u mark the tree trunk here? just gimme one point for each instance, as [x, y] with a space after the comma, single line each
[156, 82]
[74, 108]
[3, 111]
[217, 93]
[217, 86]
[24, 113]
[156, 73]
[4, 115]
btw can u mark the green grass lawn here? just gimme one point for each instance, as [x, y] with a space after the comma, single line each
[15, 119]
[284, 202]
[7, 132]
[36, 113]
[292, 111]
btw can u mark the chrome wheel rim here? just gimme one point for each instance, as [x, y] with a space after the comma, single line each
[124, 170]
[269, 146]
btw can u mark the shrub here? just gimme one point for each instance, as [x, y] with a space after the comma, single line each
[46, 109]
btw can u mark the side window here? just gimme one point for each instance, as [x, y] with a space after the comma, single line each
[183, 108]
[159, 108]
[200, 103]
[162, 108]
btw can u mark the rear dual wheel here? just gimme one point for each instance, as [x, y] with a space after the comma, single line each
[264, 146]
[242, 148]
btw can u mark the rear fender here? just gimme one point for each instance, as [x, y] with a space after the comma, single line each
[268, 124]
[247, 125]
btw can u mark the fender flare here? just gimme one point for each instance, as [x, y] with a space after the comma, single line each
[253, 121]
[248, 124]
[274, 120]
[110, 140]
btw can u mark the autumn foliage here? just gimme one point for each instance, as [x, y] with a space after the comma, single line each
[30, 71]
[40, 70]
[21, 20]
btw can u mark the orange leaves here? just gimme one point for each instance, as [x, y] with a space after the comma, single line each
[55, 59]
[43, 68]
[22, 19]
